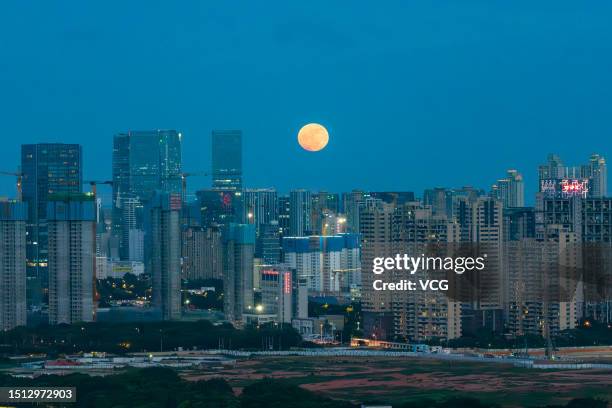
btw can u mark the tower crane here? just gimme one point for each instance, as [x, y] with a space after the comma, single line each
[184, 181]
[19, 176]
[94, 184]
[94, 190]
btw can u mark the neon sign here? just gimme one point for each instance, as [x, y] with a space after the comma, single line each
[565, 187]
[548, 186]
[287, 283]
[574, 187]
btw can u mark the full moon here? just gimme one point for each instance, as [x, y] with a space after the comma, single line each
[313, 137]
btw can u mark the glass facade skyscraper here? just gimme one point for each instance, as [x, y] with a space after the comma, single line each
[47, 168]
[143, 161]
[227, 159]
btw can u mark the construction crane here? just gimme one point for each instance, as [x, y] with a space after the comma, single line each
[94, 190]
[19, 176]
[184, 181]
[94, 184]
[185, 218]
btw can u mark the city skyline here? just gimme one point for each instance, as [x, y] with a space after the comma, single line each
[400, 99]
[306, 204]
[205, 175]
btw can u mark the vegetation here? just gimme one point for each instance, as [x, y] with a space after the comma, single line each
[589, 333]
[130, 287]
[163, 388]
[135, 337]
[352, 316]
[208, 300]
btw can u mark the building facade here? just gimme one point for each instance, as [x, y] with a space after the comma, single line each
[227, 160]
[13, 216]
[47, 168]
[71, 221]
[163, 263]
[238, 255]
[143, 162]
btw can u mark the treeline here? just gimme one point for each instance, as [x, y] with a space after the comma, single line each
[591, 334]
[143, 336]
[163, 388]
[475, 403]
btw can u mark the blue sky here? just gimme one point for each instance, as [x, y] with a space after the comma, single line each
[414, 94]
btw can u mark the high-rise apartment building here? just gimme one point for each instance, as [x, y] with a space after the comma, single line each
[519, 223]
[71, 221]
[238, 255]
[388, 229]
[163, 258]
[480, 223]
[510, 190]
[328, 263]
[544, 283]
[284, 215]
[143, 162]
[268, 243]
[441, 201]
[227, 159]
[13, 216]
[47, 168]
[300, 213]
[590, 180]
[597, 171]
[259, 206]
[283, 293]
[424, 314]
[376, 220]
[202, 253]
[324, 206]
[351, 202]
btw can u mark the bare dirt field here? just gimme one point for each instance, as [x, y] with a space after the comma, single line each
[392, 380]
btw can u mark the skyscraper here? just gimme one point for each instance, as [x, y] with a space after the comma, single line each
[511, 190]
[283, 293]
[13, 217]
[597, 172]
[441, 201]
[218, 207]
[324, 205]
[238, 253]
[202, 253]
[163, 258]
[376, 228]
[284, 215]
[588, 180]
[268, 244]
[543, 291]
[389, 228]
[327, 263]
[519, 223]
[300, 213]
[143, 161]
[351, 203]
[260, 206]
[72, 256]
[227, 159]
[480, 222]
[47, 168]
